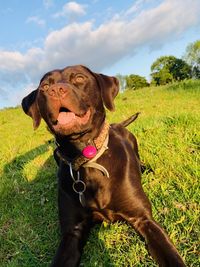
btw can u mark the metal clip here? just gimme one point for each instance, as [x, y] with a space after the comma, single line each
[78, 186]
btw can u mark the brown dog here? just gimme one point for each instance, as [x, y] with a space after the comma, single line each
[99, 168]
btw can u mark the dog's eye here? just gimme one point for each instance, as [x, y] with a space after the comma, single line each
[79, 78]
[45, 87]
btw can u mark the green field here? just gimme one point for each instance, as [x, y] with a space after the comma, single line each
[168, 133]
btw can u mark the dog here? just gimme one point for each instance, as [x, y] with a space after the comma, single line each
[99, 170]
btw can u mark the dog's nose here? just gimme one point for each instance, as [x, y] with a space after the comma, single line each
[58, 90]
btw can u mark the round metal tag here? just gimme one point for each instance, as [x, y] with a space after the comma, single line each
[79, 187]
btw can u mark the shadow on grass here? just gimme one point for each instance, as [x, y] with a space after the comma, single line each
[29, 221]
[29, 234]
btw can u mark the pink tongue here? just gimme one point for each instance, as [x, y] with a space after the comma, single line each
[65, 117]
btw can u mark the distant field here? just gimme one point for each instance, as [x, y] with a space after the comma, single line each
[168, 133]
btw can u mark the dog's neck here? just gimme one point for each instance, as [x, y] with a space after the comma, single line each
[72, 148]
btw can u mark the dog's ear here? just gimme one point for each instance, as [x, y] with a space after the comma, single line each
[30, 107]
[109, 89]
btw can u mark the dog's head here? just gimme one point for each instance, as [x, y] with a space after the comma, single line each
[71, 100]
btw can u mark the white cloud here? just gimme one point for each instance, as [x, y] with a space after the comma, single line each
[36, 20]
[101, 47]
[135, 7]
[11, 61]
[70, 10]
[105, 45]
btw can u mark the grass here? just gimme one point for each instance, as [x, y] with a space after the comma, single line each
[168, 133]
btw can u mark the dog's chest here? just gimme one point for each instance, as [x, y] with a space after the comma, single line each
[97, 194]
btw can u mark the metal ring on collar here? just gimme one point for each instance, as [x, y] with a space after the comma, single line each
[79, 187]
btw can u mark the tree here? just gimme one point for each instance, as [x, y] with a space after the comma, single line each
[161, 77]
[134, 82]
[192, 57]
[180, 70]
[169, 68]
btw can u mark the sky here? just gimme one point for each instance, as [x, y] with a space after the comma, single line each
[109, 37]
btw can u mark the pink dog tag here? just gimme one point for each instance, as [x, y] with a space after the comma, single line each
[89, 152]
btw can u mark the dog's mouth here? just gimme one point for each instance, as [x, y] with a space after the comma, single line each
[66, 117]
[69, 120]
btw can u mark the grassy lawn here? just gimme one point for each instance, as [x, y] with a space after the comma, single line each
[168, 133]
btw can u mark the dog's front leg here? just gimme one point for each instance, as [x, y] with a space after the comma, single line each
[75, 222]
[70, 247]
[159, 245]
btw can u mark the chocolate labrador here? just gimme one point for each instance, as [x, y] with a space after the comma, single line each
[99, 167]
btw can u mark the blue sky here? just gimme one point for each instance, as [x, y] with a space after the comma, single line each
[108, 36]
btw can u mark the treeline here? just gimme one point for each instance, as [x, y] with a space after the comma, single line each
[167, 69]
